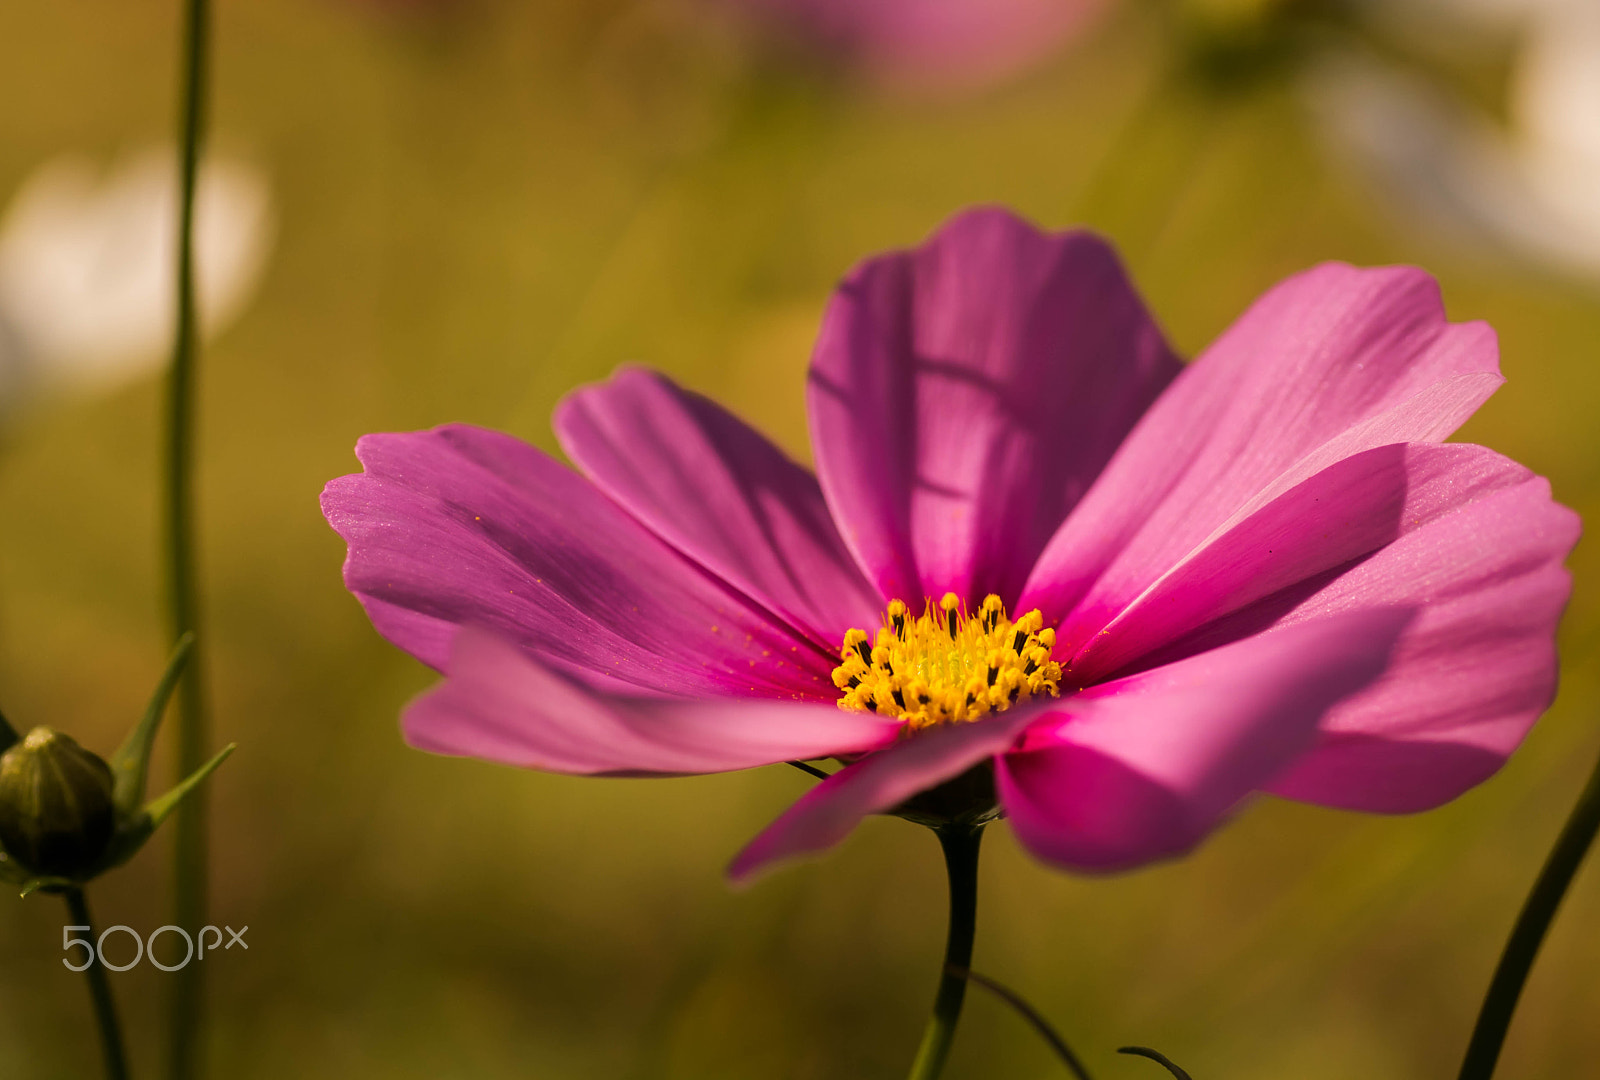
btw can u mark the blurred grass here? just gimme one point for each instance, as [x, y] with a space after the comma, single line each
[486, 202]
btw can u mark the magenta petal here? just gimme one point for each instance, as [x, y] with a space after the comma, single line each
[461, 525]
[1143, 768]
[722, 494]
[500, 705]
[1351, 508]
[1470, 675]
[1331, 362]
[964, 396]
[828, 812]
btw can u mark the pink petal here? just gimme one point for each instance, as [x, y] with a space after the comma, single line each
[461, 525]
[1349, 509]
[500, 705]
[1470, 675]
[828, 812]
[722, 494]
[1143, 768]
[1330, 363]
[964, 395]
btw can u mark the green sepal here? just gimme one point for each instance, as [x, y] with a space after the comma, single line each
[158, 809]
[132, 831]
[135, 829]
[26, 883]
[46, 884]
[130, 765]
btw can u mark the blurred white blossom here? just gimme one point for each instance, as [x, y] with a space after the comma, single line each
[88, 261]
[1533, 182]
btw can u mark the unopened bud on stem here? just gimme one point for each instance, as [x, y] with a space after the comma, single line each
[66, 815]
[56, 810]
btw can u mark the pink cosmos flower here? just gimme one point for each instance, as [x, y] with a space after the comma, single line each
[925, 44]
[1264, 570]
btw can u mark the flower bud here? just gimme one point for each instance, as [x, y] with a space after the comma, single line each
[56, 811]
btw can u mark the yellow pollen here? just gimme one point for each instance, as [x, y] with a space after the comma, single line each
[946, 665]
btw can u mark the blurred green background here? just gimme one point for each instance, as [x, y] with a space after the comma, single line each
[486, 202]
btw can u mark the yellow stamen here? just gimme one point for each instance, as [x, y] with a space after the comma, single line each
[946, 665]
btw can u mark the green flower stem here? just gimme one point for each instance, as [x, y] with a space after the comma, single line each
[960, 843]
[1033, 1016]
[105, 1009]
[189, 885]
[1523, 946]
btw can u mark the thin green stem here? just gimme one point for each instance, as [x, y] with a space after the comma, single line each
[812, 769]
[1158, 1057]
[1033, 1016]
[1528, 934]
[189, 884]
[105, 1009]
[960, 845]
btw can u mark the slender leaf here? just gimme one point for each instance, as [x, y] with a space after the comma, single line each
[130, 765]
[158, 809]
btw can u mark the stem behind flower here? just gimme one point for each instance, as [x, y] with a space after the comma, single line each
[189, 883]
[1494, 1020]
[960, 843]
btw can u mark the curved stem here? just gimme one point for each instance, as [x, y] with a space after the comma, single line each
[105, 1009]
[1033, 1016]
[189, 882]
[960, 845]
[1523, 946]
[1156, 1056]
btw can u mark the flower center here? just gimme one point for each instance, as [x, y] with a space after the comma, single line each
[947, 665]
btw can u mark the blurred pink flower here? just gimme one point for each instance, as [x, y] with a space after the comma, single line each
[1264, 570]
[924, 43]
